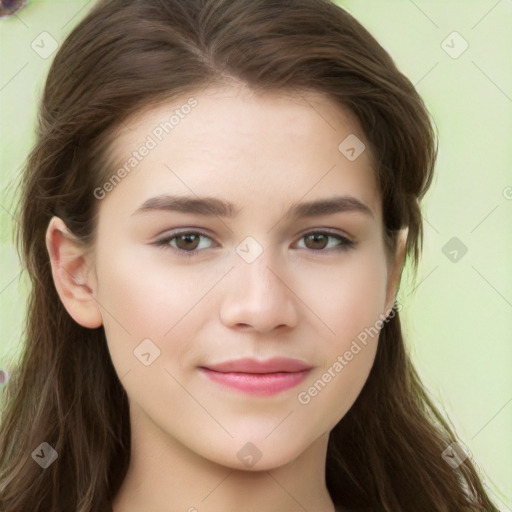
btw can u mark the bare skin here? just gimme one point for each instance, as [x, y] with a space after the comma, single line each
[299, 298]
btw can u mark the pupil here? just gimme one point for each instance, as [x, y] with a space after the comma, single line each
[188, 240]
[318, 239]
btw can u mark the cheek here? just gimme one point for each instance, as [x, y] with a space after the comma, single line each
[346, 297]
[145, 295]
[350, 304]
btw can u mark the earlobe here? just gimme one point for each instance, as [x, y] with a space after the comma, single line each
[71, 275]
[395, 270]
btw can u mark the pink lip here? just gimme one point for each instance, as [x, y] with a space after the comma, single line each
[259, 377]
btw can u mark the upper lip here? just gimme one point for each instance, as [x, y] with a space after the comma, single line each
[277, 364]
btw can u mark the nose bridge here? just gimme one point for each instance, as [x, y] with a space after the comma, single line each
[260, 296]
[258, 274]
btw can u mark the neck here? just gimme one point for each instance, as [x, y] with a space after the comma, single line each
[163, 471]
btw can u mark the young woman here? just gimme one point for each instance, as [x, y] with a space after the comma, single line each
[215, 219]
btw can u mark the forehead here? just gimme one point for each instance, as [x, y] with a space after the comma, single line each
[232, 140]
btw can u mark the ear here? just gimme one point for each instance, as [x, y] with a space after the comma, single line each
[70, 273]
[395, 269]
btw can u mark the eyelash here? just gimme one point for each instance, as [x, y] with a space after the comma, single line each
[163, 243]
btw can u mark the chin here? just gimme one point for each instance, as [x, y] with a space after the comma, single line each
[258, 455]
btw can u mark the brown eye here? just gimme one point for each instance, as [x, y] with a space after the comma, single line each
[319, 241]
[187, 242]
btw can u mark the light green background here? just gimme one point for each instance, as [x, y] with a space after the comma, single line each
[458, 318]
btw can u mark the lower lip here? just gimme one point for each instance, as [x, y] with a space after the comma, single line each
[257, 383]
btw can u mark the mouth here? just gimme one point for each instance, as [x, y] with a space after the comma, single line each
[261, 378]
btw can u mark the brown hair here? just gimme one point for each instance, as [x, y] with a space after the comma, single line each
[385, 454]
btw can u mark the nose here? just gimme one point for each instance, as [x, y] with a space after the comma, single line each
[259, 296]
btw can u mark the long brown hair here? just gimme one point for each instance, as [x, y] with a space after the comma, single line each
[125, 55]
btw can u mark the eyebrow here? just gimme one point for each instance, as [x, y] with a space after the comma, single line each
[211, 206]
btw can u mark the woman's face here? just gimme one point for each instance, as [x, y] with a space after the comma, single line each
[266, 271]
